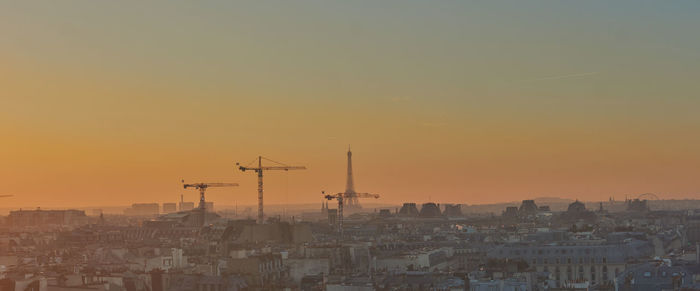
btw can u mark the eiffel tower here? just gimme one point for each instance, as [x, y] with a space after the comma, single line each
[350, 194]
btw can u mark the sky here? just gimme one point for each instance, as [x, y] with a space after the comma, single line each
[116, 102]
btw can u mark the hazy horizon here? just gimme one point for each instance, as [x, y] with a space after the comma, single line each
[106, 103]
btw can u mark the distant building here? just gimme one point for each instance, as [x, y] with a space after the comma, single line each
[186, 206]
[693, 232]
[637, 205]
[192, 218]
[409, 210]
[332, 216]
[384, 213]
[657, 275]
[453, 210]
[430, 210]
[240, 232]
[259, 270]
[29, 218]
[143, 209]
[414, 260]
[169, 207]
[187, 282]
[596, 263]
[511, 211]
[576, 207]
[209, 206]
[527, 207]
[577, 211]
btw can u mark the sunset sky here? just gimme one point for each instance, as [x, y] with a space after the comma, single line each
[113, 102]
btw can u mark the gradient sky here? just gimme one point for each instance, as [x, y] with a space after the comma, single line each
[113, 102]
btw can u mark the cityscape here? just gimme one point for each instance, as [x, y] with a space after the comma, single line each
[640, 243]
[349, 145]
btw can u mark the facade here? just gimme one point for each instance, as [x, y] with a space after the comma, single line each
[453, 210]
[528, 207]
[409, 210]
[595, 262]
[430, 210]
[260, 270]
[143, 209]
[186, 206]
[169, 207]
[37, 218]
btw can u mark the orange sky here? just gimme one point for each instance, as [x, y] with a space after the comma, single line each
[102, 105]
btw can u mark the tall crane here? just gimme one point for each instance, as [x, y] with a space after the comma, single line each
[342, 196]
[259, 169]
[202, 187]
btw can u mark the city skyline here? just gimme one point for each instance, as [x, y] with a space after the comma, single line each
[349, 145]
[105, 104]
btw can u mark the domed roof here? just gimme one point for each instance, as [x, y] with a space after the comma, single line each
[430, 210]
[576, 206]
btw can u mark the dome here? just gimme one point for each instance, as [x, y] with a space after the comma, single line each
[577, 207]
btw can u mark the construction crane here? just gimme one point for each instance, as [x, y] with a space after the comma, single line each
[259, 169]
[202, 187]
[342, 196]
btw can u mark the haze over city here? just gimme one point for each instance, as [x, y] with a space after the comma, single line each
[384, 145]
[104, 104]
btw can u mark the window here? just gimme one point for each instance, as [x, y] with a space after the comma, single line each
[605, 273]
[580, 272]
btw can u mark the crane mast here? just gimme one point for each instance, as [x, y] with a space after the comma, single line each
[341, 197]
[259, 170]
[202, 187]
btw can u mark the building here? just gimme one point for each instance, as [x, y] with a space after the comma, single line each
[415, 260]
[143, 209]
[511, 211]
[186, 206]
[409, 210]
[34, 218]
[430, 210]
[332, 216]
[658, 275]
[637, 205]
[188, 282]
[169, 207]
[260, 270]
[528, 208]
[595, 262]
[453, 210]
